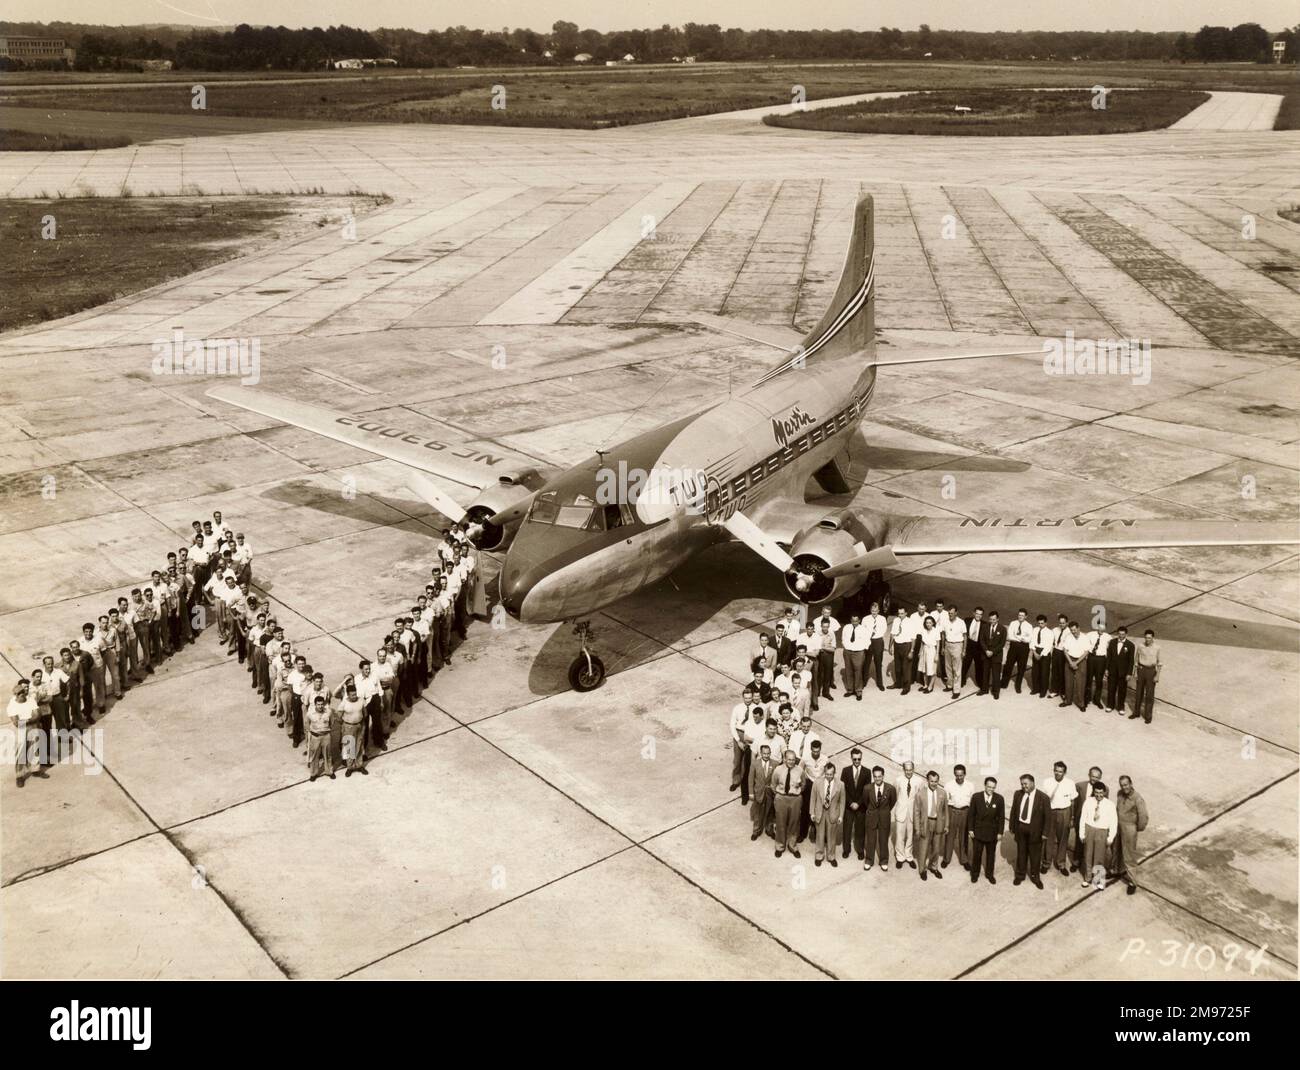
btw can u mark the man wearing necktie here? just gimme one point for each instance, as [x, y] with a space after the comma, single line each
[1059, 635]
[875, 625]
[984, 824]
[973, 656]
[1040, 673]
[760, 790]
[907, 788]
[1098, 827]
[1095, 668]
[828, 813]
[853, 638]
[787, 788]
[1119, 667]
[878, 802]
[1029, 822]
[854, 779]
[1018, 637]
[993, 641]
[930, 820]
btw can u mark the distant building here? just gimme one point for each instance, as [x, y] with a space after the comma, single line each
[348, 65]
[689, 59]
[582, 57]
[629, 58]
[1279, 51]
[37, 51]
[156, 64]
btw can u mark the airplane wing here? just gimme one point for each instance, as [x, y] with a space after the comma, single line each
[470, 466]
[907, 536]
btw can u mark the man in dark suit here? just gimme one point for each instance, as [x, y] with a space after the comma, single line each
[1029, 810]
[993, 639]
[760, 790]
[855, 779]
[1119, 666]
[985, 821]
[784, 645]
[878, 800]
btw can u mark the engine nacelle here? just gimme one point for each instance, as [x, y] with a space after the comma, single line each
[512, 490]
[820, 547]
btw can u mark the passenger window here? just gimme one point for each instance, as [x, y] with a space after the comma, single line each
[613, 517]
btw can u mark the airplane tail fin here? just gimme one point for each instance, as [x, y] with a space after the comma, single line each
[849, 325]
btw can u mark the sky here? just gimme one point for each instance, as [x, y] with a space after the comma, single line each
[634, 14]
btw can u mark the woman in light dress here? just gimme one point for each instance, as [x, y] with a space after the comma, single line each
[928, 663]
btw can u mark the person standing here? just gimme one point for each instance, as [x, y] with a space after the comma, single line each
[1147, 659]
[787, 789]
[145, 614]
[959, 791]
[1082, 791]
[25, 718]
[954, 650]
[1019, 637]
[760, 787]
[106, 640]
[813, 763]
[41, 692]
[827, 814]
[901, 641]
[318, 739]
[906, 790]
[1098, 827]
[973, 657]
[929, 644]
[984, 825]
[1029, 809]
[1059, 634]
[60, 685]
[854, 639]
[736, 731]
[992, 643]
[877, 627]
[855, 779]
[1098, 641]
[1131, 813]
[930, 820]
[1074, 648]
[878, 802]
[1040, 672]
[1120, 656]
[352, 720]
[1061, 794]
[826, 643]
[754, 731]
[92, 645]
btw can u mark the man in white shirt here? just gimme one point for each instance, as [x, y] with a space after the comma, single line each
[1098, 826]
[1042, 643]
[1074, 648]
[739, 715]
[1098, 640]
[906, 788]
[810, 645]
[877, 628]
[854, 639]
[954, 644]
[959, 791]
[802, 738]
[830, 621]
[1020, 634]
[1061, 793]
[799, 694]
[813, 766]
[243, 557]
[902, 637]
[29, 745]
[826, 658]
[1059, 634]
[92, 643]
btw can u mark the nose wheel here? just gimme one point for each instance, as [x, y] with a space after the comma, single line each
[587, 672]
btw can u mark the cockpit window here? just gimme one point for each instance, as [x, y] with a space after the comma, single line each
[580, 512]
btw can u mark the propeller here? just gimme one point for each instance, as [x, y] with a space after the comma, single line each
[429, 491]
[880, 557]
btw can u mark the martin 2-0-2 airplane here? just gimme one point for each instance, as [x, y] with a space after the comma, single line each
[578, 539]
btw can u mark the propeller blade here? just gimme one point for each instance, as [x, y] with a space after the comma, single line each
[429, 491]
[880, 557]
[745, 530]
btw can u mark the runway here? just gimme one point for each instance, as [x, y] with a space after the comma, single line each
[517, 828]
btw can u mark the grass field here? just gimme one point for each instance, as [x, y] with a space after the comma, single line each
[1002, 113]
[27, 141]
[106, 248]
[595, 97]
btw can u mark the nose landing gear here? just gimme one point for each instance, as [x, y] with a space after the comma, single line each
[587, 671]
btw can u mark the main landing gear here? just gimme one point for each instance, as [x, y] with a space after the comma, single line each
[587, 671]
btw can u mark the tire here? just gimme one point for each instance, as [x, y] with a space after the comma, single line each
[586, 678]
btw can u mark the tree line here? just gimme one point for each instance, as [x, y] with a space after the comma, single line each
[246, 47]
